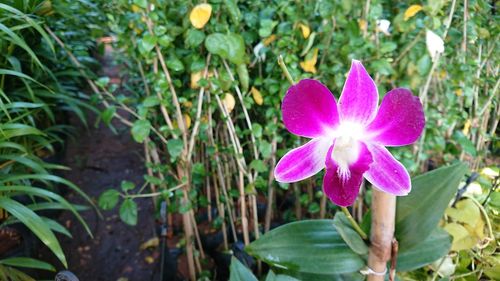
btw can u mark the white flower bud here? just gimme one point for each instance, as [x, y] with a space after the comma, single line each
[435, 45]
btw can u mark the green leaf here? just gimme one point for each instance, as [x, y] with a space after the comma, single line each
[165, 40]
[194, 37]
[466, 144]
[127, 185]
[257, 130]
[57, 227]
[107, 115]
[350, 236]
[175, 147]
[217, 45]
[266, 27]
[387, 47]
[43, 193]
[153, 180]
[141, 3]
[108, 199]
[236, 48]
[243, 76]
[435, 246]
[230, 47]
[35, 224]
[27, 263]
[102, 82]
[239, 272]
[280, 277]
[418, 214]
[424, 64]
[151, 101]
[306, 247]
[140, 130]
[148, 42]
[265, 149]
[258, 165]
[175, 63]
[234, 11]
[128, 212]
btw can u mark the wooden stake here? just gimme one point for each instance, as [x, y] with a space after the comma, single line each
[188, 231]
[382, 233]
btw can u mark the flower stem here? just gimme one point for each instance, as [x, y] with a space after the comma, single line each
[381, 234]
[285, 70]
[354, 223]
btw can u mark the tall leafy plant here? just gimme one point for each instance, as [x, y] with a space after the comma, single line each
[36, 91]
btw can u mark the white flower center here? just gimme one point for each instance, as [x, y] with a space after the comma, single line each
[347, 147]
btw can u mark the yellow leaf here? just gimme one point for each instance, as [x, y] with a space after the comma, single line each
[442, 74]
[195, 77]
[187, 104]
[363, 25]
[462, 240]
[187, 120]
[305, 30]
[257, 96]
[476, 230]
[151, 243]
[411, 11]
[200, 15]
[149, 259]
[465, 211]
[269, 40]
[309, 64]
[45, 9]
[466, 127]
[229, 102]
[458, 92]
[135, 8]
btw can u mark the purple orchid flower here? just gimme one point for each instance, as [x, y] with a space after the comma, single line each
[349, 138]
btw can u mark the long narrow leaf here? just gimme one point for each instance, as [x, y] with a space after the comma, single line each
[35, 224]
[28, 263]
[49, 194]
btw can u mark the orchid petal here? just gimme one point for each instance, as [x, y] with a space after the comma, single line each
[309, 109]
[302, 162]
[343, 191]
[359, 99]
[400, 119]
[386, 173]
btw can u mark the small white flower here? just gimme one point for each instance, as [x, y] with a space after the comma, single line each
[489, 172]
[444, 266]
[435, 45]
[474, 189]
[260, 52]
[383, 26]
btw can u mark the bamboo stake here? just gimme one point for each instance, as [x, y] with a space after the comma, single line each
[188, 231]
[148, 169]
[221, 181]
[243, 208]
[382, 233]
[220, 208]
[270, 185]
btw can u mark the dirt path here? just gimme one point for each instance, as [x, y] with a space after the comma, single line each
[100, 159]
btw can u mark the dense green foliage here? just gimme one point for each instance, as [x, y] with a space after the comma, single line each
[37, 91]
